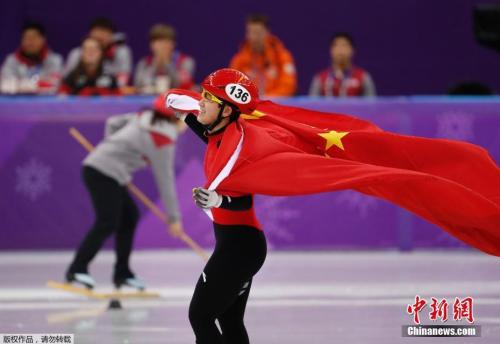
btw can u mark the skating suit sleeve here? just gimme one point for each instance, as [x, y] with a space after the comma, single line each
[237, 203]
[196, 127]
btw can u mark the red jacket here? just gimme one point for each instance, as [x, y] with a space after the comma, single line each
[352, 84]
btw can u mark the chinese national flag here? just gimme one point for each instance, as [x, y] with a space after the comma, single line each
[282, 150]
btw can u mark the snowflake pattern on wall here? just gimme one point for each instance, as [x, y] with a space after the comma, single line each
[33, 179]
[455, 125]
[274, 215]
[357, 202]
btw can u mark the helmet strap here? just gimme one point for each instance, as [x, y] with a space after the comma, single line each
[234, 115]
[218, 120]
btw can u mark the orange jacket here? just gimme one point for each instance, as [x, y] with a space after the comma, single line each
[273, 70]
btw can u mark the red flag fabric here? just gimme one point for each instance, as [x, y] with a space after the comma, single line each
[281, 150]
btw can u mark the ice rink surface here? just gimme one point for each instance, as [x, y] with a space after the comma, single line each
[298, 297]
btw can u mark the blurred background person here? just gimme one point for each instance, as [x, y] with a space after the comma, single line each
[166, 67]
[265, 59]
[88, 77]
[33, 67]
[131, 142]
[342, 78]
[117, 55]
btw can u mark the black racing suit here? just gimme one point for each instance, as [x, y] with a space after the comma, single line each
[240, 250]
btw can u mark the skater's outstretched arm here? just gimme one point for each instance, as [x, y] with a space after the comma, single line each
[196, 126]
[185, 105]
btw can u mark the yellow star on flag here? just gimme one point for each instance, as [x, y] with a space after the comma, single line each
[333, 138]
[254, 115]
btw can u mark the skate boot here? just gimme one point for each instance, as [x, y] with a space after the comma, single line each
[128, 280]
[82, 278]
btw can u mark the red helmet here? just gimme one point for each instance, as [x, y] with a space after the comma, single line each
[160, 107]
[234, 87]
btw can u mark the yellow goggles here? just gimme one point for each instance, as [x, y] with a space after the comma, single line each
[210, 97]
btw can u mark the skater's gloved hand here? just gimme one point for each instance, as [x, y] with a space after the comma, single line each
[175, 229]
[182, 102]
[206, 199]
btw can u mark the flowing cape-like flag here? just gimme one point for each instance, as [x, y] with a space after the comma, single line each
[294, 151]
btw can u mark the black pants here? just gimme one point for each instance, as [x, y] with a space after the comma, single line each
[115, 211]
[223, 288]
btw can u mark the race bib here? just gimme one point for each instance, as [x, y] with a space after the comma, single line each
[239, 94]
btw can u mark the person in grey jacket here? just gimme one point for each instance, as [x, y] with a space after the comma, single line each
[117, 54]
[166, 67]
[34, 67]
[132, 141]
